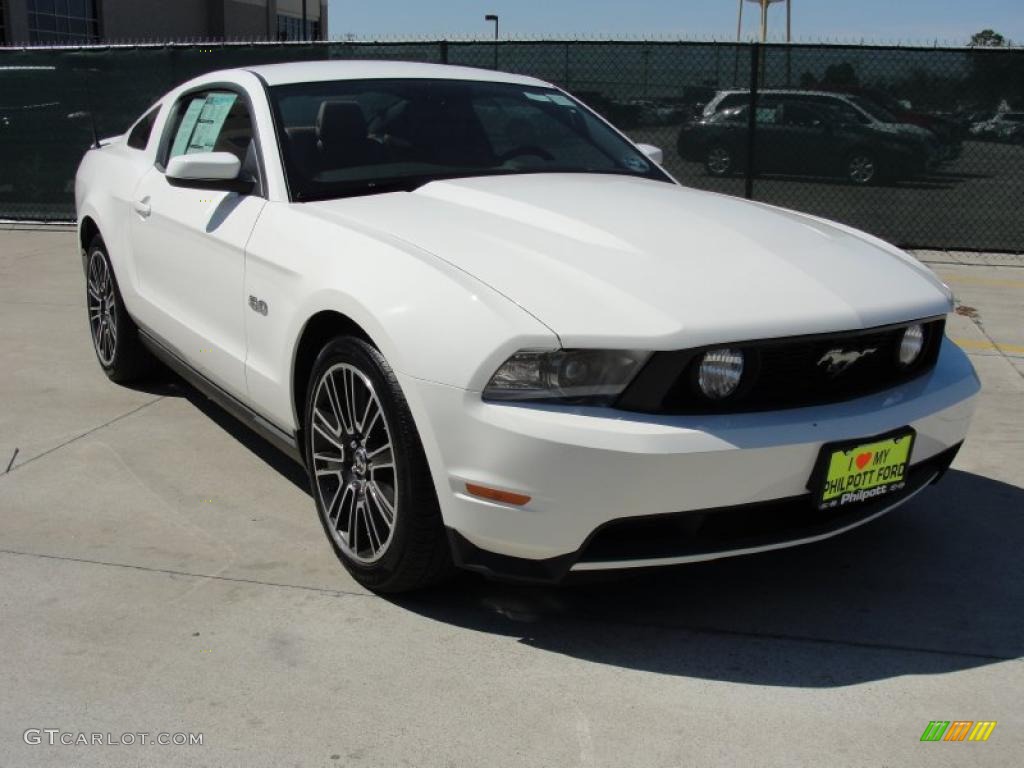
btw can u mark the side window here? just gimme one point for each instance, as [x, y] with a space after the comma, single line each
[801, 116]
[213, 121]
[767, 114]
[139, 136]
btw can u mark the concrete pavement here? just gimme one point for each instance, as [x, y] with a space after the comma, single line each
[161, 570]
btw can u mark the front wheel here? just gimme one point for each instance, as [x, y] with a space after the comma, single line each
[719, 161]
[862, 169]
[368, 473]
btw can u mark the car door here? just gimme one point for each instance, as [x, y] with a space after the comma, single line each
[189, 243]
[804, 139]
[769, 137]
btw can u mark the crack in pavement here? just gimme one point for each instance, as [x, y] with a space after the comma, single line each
[582, 617]
[190, 574]
[91, 430]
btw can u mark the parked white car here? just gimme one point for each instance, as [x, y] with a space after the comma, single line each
[500, 336]
[1005, 126]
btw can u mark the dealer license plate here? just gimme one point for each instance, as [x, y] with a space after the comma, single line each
[855, 472]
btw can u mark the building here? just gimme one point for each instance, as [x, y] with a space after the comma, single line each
[81, 22]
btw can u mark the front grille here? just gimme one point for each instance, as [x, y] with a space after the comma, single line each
[784, 373]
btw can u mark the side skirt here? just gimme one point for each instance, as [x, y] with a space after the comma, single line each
[277, 437]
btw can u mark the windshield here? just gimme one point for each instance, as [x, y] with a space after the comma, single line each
[352, 137]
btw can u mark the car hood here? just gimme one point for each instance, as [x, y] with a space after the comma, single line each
[618, 261]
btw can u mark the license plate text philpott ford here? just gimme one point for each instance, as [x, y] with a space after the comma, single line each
[867, 471]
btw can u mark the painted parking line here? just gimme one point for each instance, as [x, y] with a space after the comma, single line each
[995, 282]
[981, 345]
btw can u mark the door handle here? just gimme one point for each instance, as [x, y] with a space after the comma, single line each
[142, 207]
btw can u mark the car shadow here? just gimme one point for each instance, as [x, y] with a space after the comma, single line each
[933, 587]
[167, 384]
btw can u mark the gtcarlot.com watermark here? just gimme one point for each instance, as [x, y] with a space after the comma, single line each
[57, 737]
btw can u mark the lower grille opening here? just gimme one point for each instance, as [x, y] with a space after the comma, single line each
[760, 524]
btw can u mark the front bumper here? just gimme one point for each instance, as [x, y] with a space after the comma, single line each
[612, 489]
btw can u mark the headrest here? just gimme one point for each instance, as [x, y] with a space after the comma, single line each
[340, 122]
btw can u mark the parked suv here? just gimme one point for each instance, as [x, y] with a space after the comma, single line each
[855, 109]
[801, 138]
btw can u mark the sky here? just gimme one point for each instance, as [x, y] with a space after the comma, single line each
[880, 21]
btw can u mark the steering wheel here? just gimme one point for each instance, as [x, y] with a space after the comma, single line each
[528, 149]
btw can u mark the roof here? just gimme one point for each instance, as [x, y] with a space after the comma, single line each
[317, 71]
[793, 92]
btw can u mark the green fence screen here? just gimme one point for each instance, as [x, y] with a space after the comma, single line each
[965, 106]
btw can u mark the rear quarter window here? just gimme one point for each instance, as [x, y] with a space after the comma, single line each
[139, 136]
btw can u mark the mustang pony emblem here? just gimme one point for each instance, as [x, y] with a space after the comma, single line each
[838, 360]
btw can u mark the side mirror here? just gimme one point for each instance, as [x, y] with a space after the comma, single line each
[652, 153]
[208, 170]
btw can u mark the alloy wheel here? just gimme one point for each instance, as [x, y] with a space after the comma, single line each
[353, 463]
[102, 308]
[861, 169]
[719, 161]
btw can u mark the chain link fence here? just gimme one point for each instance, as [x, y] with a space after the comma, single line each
[921, 146]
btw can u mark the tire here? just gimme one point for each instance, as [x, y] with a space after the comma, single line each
[382, 518]
[861, 169]
[115, 337]
[719, 161]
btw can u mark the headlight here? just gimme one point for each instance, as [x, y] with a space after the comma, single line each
[596, 377]
[911, 345]
[720, 372]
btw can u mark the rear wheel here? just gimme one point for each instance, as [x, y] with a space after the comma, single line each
[862, 169]
[114, 334]
[718, 161]
[369, 475]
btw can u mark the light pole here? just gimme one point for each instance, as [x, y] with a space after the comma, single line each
[494, 17]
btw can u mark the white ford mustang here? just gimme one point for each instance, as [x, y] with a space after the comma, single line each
[499, 336]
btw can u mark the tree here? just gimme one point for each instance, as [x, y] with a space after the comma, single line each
[841, 74]
[987, 38]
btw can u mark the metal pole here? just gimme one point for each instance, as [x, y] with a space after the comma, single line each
[739, 33]
[305, 32]
[789, 43]
[494, 17]
[764, 21]
[755, 77]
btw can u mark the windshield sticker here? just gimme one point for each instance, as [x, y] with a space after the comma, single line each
[635, 163]
[551, 98]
